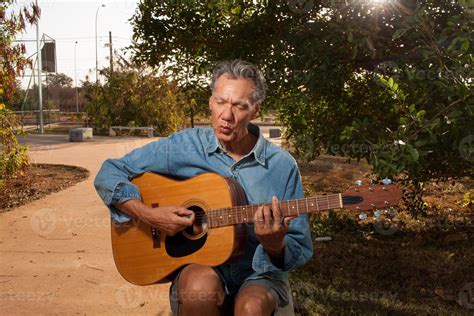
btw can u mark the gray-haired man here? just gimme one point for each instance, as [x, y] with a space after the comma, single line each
[233, 147]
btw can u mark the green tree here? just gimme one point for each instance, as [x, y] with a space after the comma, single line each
[389, 82]
[196, 103]
[135, 96]
[13, 156]
[15, 101]
[59, 80]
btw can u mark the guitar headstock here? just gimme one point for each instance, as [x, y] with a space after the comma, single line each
[371, 197]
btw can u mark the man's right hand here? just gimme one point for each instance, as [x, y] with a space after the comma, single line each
[168, 219]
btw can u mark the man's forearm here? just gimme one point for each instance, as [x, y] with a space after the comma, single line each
[169, 219]
[134, 208]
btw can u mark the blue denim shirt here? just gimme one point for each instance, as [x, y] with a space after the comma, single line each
[266, 171]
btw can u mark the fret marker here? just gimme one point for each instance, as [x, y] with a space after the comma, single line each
[230, 215]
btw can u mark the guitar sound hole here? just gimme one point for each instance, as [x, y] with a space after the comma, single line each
[191, 239]
[200, 223]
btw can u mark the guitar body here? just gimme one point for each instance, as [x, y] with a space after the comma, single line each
[143, 255]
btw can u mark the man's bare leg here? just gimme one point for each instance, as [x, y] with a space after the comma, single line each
[254, 300]
[200, 291]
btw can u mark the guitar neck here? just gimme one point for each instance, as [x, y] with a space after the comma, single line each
[245, 213]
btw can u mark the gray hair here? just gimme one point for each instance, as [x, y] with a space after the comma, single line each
[239, 69]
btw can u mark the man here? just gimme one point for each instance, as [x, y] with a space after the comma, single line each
[257, 284]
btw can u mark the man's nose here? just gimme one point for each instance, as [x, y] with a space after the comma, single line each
[227, 113]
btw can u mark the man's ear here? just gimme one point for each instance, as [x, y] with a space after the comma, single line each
[256, 111]
[210, 98]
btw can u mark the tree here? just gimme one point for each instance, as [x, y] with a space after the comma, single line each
[389, 82]
[196, 102]
[135, 96]
[13, 156]
[13, 61]
[59, 80]
[15, 101]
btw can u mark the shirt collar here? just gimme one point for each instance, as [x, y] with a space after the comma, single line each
[259, 150]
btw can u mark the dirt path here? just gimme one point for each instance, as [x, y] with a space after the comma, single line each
[55, 253]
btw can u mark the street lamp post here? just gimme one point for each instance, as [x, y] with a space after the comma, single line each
[40, 69]
[75, 79]
[96, 58]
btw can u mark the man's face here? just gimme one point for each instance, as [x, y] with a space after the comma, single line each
[231, 109]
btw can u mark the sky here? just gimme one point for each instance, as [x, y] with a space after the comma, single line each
[68, 21]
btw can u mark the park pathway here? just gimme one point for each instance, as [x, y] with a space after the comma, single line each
[55, 253]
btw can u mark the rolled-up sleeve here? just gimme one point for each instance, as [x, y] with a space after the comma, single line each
[298, 244]
[112, 182]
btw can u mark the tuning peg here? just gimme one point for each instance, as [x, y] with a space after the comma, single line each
[358, 182]
[386, 181]
[362, 216]
[377, 213]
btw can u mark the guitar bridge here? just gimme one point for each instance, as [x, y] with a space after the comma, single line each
[155, 233]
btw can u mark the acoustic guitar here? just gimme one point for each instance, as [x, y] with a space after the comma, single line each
[144, 255]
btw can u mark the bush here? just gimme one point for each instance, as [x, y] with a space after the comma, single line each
[134, 96]
[13, 156]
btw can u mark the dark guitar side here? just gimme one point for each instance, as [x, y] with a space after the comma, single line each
[144, 255]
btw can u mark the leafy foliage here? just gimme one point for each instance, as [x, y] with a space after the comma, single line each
[468, 199]
[13, 156]
[59, 80]
[134, 96]
[12, 60]
[15, 101]
[389, 82]
[196, 105]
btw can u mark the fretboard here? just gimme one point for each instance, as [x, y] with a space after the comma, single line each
[245, 213]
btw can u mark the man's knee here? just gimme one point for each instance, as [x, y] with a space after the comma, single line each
[254, 300]
[200, 284]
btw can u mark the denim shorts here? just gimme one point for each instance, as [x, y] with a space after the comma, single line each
[277, 288]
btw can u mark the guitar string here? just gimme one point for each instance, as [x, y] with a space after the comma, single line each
[236, 209]
[229, 214]
[227, 221]
[334, 203]
[221, 214]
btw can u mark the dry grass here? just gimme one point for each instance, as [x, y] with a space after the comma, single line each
[418, 267]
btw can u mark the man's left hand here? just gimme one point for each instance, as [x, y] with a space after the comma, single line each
[270, 228]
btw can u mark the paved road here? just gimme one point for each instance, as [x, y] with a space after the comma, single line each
[55, 253]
